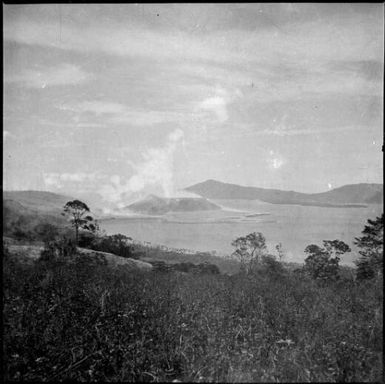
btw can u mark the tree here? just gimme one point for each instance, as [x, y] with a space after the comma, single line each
[77, 210]
[249, 250]
[322, 263]
[280, 252]
[370, 264]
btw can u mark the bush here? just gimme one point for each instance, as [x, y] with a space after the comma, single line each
[117, 244]
[272, 267]
[86, 239]
[46, 231]
[59, 249]
[184, 267]
[208, 268]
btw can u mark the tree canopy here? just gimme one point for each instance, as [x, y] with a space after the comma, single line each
[370, 264]
[249, 249]
[77, 211]
[323, 262]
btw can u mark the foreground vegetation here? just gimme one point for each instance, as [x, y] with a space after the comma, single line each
[81, 320]
[72, 316]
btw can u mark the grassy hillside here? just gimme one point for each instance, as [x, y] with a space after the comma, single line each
[45, 202]
[24, 222]
[26, 212]
[85, 321]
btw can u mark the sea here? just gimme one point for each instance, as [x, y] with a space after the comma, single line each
[294, 226]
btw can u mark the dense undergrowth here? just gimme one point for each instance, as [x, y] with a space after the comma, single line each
[81, 320]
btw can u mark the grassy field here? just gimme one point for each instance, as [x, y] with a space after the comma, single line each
[79, 319]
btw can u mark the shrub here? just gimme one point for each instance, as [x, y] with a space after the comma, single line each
[86, 239]
[62, 248]
[117, 244]
[46, 231]
[272, 267]
[208, 268]
[184, 267]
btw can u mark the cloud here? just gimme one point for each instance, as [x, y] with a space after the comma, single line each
[117, 113]
[65, 74]
[156, 169]
[59, 180]
[321, 38]
[293, 131]
[275, 161]
[217, 103]
[97, 107]
[320, 56]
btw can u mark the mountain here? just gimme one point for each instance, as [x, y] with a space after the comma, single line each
[154, 205]
[352, 194]
[347, 196]
[377, 198]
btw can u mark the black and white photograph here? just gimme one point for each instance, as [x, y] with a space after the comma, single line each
[193, 192]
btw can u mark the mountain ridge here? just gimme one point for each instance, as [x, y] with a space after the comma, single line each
[347, 195]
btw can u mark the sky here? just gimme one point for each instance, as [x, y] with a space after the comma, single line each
[118, 101]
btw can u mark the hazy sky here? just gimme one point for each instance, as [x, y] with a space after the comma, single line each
[123, 100]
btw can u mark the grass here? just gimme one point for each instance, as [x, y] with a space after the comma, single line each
[78, 319]
[173, 256]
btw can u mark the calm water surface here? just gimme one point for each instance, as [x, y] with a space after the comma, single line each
[293, 225]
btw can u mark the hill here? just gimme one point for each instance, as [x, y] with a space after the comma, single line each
[25, 211]
[29, 253]
[354, 195]
[40, 201]
[22, 222]
[154, 205]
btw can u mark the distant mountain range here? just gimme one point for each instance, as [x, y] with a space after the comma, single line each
[353, 195]
[33, 203]
[154, 205]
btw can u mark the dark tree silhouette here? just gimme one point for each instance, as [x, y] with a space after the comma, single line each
[322, 263]
[249, 250]
[370, 264]
[77, 211]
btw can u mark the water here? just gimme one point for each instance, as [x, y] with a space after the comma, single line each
[292, 225]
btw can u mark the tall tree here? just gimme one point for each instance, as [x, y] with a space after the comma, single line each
[370, 264]
[323, 262]
[249, 249]
[77, 211]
